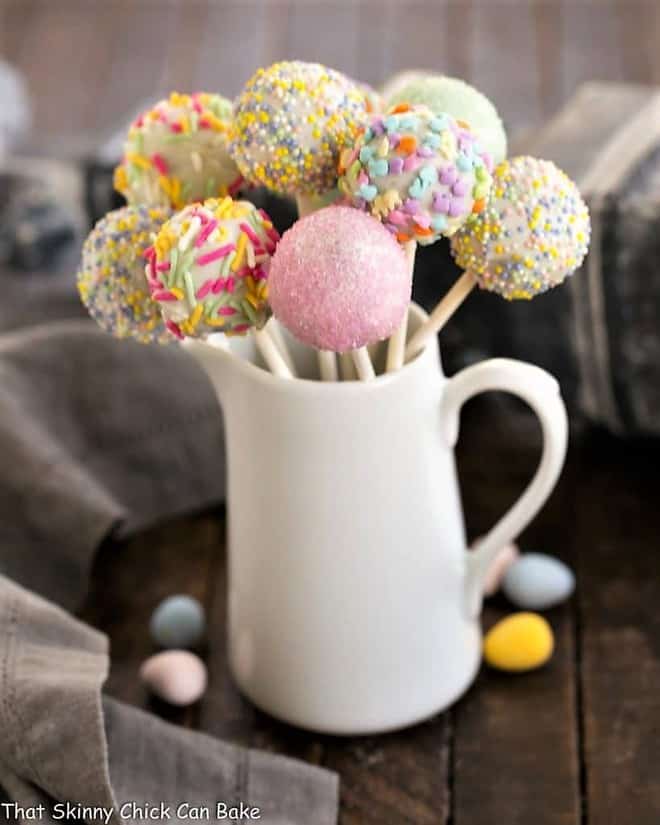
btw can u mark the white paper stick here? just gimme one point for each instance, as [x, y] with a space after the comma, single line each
[347, 367]
[327, 365]
[441, 314]
[271, 354]
[363, 365]
[275, 331]
[396, 346]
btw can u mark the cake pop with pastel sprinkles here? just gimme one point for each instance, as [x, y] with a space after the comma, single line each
[442, 93]
[111, 279]
[177, 153]
[422, 174]
[532, 235]
[339, 280]
[208, 268]
[291, 121]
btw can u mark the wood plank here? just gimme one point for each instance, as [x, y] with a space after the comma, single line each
[180, 71]
[504, 64]
[618, 528]
[515, 745]
[131, 578]
[325, 32]
[396, 778]
[139, 57]
[64, 62]
[416, 36]
[548, 32]
[591, 44]
[224, 712]
[639, 28]
[373, 62]
[231, 46]
[15, 18]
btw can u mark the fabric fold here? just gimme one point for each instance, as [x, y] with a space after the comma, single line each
[100, 436]
[96, 434]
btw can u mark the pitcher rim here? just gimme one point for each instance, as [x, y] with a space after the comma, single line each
[306, 384]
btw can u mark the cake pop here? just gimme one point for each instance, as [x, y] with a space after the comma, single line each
[442, 93]
[339, 281]
[177, 153]
[532, 235]
[422, 174]
[208, 269]
[290, 123]
[111, 279]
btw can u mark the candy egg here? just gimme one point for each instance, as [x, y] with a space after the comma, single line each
[176, 676]
[177, 153]
[178, 621]
[520, 642]
[111, 279]
[442, 93]
[291, 121]
[537, 582]
[339, 281]
[533, 233]
[423, 175]
[208, 268]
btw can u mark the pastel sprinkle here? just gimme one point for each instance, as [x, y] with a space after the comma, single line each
[215, 255]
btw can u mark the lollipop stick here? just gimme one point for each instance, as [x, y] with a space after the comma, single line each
[363, 365]
[327, 365]
[347, 367]
[397, 344]
[271, 354]
[275, 331]
[441, 314]
[327, 360]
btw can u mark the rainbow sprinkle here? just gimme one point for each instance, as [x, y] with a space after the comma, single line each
[177, 153]
[533, 234]
[111, 279]
[208, 268]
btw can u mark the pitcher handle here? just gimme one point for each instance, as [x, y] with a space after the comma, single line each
[541, 391]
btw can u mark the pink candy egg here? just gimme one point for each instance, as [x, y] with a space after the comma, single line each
[339, 280]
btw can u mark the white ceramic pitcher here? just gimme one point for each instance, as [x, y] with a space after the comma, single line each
[353, 601]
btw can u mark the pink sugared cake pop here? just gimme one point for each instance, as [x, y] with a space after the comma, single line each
[339, 280]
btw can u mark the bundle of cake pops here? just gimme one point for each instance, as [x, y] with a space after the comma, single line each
[373, 175]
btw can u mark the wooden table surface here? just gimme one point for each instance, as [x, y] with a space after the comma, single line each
[576, 743]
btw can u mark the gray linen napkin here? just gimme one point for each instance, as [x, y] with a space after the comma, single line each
[98, 435]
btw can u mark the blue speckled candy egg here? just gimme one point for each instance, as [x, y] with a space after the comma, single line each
[178, 621]
[537, 582]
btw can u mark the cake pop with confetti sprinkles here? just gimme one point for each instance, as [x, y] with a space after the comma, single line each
[291, 121]
[111, 279]
[177, 153]
[442, 93]
[422, 174]
[208, 268]
[533, 233]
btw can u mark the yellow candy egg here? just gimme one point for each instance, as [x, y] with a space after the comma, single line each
[522, 641]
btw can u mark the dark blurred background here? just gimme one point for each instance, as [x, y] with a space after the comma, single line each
[87, 67]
